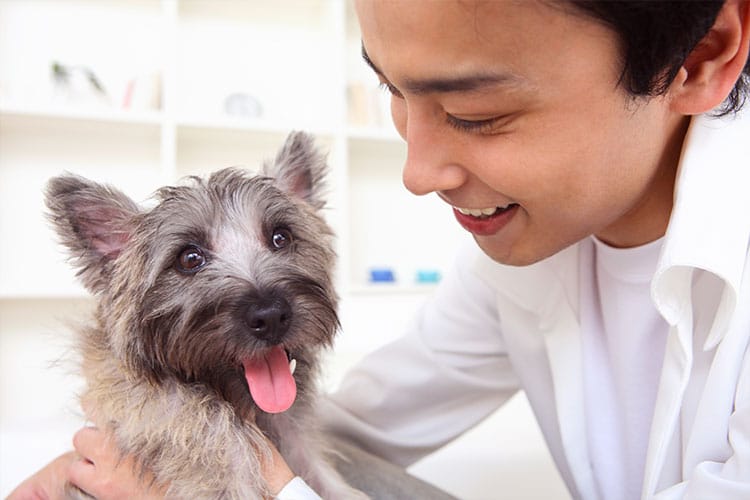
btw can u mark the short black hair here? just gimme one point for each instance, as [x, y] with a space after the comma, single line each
[657, 36]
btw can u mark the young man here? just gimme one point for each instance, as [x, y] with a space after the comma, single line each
[611, 281]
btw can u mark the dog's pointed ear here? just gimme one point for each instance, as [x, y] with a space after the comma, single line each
[300, 168]
[93, 221]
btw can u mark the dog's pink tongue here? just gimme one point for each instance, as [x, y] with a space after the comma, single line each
[270, 380]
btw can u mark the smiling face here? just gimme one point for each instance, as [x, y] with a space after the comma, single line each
[513, 114]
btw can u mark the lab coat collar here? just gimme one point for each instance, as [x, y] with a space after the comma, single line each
[708, 228]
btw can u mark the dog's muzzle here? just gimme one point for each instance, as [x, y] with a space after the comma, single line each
[268, 317]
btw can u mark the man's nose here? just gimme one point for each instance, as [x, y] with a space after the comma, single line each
[431, 162]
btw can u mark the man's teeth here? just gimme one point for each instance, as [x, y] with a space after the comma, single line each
[292, 366]
[478, 212]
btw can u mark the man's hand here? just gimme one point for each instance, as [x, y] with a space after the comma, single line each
[102, 473]
[48, 483]
[98, 469]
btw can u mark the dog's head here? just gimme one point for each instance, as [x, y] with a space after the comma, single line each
[223, 282]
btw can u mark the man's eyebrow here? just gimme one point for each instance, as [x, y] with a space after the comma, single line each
[466, 83]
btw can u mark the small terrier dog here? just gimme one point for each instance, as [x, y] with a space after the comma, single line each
[213, 308]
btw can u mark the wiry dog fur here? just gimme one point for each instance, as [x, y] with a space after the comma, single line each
[176, 287]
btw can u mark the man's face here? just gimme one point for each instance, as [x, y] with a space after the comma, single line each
[517, 105]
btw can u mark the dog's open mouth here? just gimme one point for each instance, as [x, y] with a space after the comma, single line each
[270, 380]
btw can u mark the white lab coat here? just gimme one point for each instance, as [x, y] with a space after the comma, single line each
[492, 329]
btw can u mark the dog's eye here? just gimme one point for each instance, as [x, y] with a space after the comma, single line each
[191, 259]
[281, 238]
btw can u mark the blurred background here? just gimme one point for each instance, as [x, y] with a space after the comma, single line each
[140, 93]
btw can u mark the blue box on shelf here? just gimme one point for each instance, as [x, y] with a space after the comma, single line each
[427, 276]
[382, 275]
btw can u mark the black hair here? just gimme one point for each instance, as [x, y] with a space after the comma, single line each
[657, 36]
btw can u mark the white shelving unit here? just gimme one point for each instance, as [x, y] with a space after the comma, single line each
[299, 59]
[168, 67]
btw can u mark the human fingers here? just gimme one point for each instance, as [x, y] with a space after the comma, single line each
[104, 473]
[82, 473]
[99, 470]
[91, 444]
[46, 484]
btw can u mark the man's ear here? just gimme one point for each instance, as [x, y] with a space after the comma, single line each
[713, 67]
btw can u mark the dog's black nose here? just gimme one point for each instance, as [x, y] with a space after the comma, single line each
[269, 318]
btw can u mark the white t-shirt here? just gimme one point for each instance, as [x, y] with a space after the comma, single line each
[624, 338]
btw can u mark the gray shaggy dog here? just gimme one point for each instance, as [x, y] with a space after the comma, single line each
[213, 308]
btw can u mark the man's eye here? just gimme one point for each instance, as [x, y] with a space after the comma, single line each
[392, 89]
[478, 126]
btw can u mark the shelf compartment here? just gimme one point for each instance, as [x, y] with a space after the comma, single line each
[36, 148]
[98, 36]
[261, 51]
[390, 227]
[202, 148]
[55, 117]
